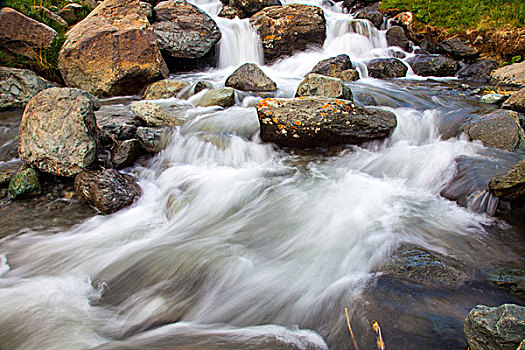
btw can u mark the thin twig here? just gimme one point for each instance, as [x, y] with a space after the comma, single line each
[379, 341]
[350, 328]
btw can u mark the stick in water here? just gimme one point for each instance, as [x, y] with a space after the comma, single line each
[379, 341]
[350, 328]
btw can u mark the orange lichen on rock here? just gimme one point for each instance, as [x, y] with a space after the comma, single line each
[298, 122]
[326, 105]
[269, 37]
[280, 126]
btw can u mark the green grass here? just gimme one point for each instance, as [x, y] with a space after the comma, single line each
[459, 15]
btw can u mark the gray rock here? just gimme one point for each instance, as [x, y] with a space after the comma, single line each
[323, 86]
[478, 71]
[458, 49]
[396, 36]
[125, 153]
[162, 89]
[386, 68]
[491, 328]
[152, 114]
[516, 102]
[510, 279]
[58, 132]
[24, 184]
[433, 65]
[250, 7]
[108, 190]
[224, 97]
[147, 8]
[510, 186]
[310, 122]
[154, 140]
[513, 74]
[72, 13]
[333, 66]
[249, 77]
[494, 99]
[498, 129]
[18, 86]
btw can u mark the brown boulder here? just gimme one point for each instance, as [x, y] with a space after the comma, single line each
[287, 29]
[113, 51]
[333, 66]
[249, 77]
[510, 186]
[516, 102]
[513, 74]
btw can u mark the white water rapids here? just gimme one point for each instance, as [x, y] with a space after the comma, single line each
[231, 231]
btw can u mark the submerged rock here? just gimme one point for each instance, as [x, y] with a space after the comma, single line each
[166, 88]
[516, 102]
[152, 114]
[309, 122]
[510, 279]
[510, 186]
[333, 66]
[513, 74]
[25, 183]
[433, 65]
[18, 86]
[249, 77]
[287, 29]
[488, 328]
[323, 86]
[108, 190]
[58, 132]
[224, 97]
[386, 68]
[478, 71]
[112, 51]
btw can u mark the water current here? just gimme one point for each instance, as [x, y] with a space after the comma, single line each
[233, 233]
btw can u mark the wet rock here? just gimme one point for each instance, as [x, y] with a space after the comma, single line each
[513, 74]
[498, 129]
[386, 68]
[58, 132]
[396, 36]
[478, 71]
[509, 279]
[152, 114]
[117, 120]
[112, 51]
[249, 77]
[166, 88]
[458, 49]
[351, 5]
[18, 86]
[72, 13]
[224, 97]
[251, 7]
[287, 29]
[231, 12]
[423, 267]
[433, 65]
[510, 186]
[153, 140]
[494, 99]
[323, 86]
[25, 183]
[125, 153]
[193, 89]
[500, 327]
[350, 75]
[22, 35]
[184, 31]
[7, 171]
[372, 14]
[53, 19]
[147, 8]
[108, 190]
[516, 102]
[333, 66]
[309, 122]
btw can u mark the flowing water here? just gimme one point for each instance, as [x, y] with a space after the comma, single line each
[233, 232]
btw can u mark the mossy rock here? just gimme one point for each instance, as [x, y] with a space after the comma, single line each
[25, 184]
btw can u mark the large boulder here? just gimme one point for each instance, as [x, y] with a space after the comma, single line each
[309, 122]
[151, 114]
[249, 77]
[165, 88]
[513, 74]
[333, 66]
[433, 65]
[22, 35]
[58, 132]
[510, 186]
[489, 328]
[498, 129]
[18, 86]
[458, 49]
[395, 36]
[108, 190]
[386, 68]
[112, 51]
[286, 29]
[516, 102]
[323, 86]
[224, 97]
[478, 71]
[250, 7]
[184, 32]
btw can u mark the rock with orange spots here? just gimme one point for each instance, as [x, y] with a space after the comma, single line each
[333, 66]
[249, 77]
[290, 28]
[186, 34]
[323, 86]
[113, 51]
[310, 122]
[250, 7]
[386, 68]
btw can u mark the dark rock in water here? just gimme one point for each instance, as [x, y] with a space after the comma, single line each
[25, 183]
[423, 267]
[386, 68]
[366, 99]
[250, 7]
[151, 114]
[396, 36]
[18, 86]
[458, 49]
[478, 71]
[125, 153]
[309, 122]
[333, 66]
[112, 51]
[249, 77]
[58, 132]
[231, 12]
[516, 102]
[323, 86]
[287, 29]
[117, 120]
[510, 186]
[513, 74]
[154, 140]
[224, 97]
[201, 85]
[108, 190]
[184, 31]
[510, 279]
[433, 65]
[22, 35]
[351, 5]
[163, 89]
[7, 171]
[426, 47]
[349, 75]
[500, 327]
[372, 14]
[498, 129]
